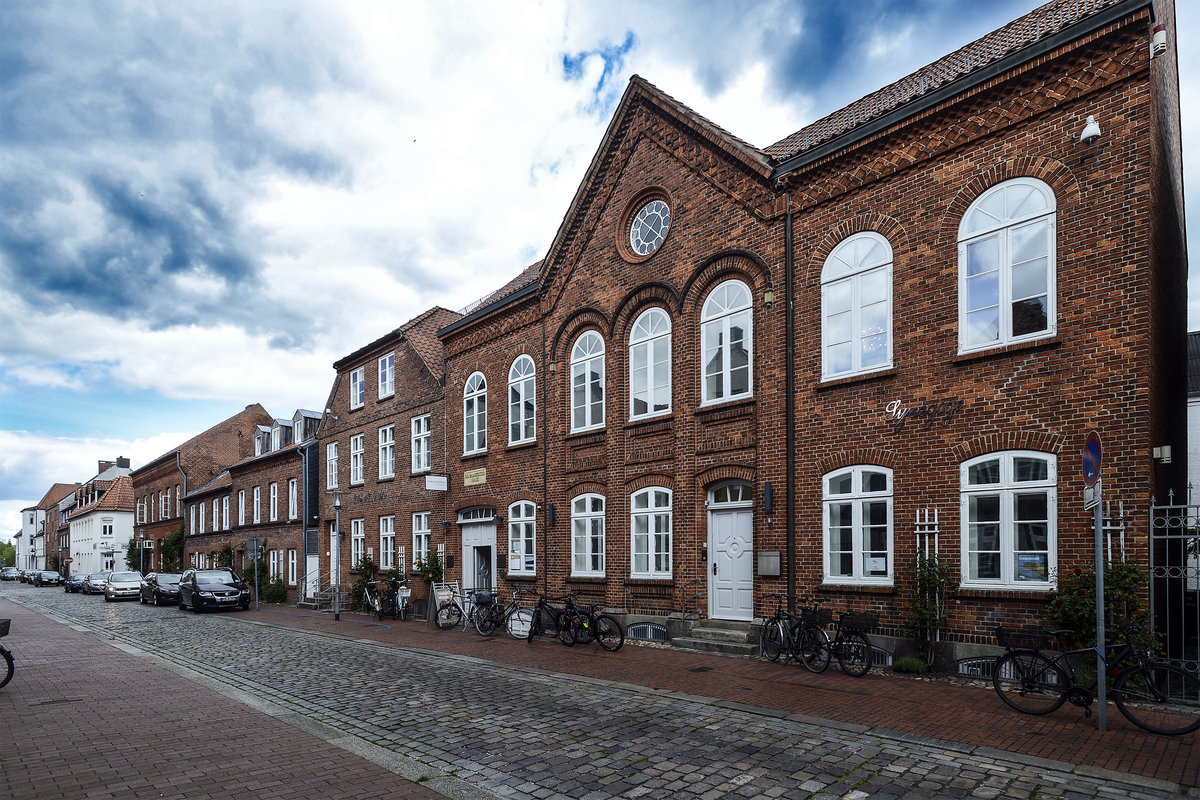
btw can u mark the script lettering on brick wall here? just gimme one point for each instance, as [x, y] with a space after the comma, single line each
[930, 414]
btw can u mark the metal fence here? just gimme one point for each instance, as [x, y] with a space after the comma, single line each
[1175, 579]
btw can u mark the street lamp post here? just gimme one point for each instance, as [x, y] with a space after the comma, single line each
[335, 560]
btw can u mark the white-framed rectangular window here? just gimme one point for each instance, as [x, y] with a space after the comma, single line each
[387, 375]
[358, 541]
[358, 443]
[651, 522]
[192, 530]
[216, 514]
[475, 414]
[292, 498]
[522, 403]
[257, 504]
[522, 538]
[291, 567]
[178, 501]
[358, 387]
[587, 535]
[202, 507]
[387, 451]
[420, 536]
[225, 513]
[1009, 510]
[274, 490]
[421, 443]
[858, 525]
[331, 465]
[241, 507]
[387, 541]
[274, 566]
[726, 343]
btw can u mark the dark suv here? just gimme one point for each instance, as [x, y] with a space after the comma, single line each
[160, 587]
[212, 588]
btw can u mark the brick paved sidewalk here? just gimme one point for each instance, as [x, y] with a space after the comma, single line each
[84, 719]
[950, 711]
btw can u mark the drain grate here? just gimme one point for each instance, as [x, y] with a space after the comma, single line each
[647, 632]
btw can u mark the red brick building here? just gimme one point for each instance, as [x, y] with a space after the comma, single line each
[787, 368]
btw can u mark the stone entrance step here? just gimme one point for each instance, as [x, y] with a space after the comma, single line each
[729, 637]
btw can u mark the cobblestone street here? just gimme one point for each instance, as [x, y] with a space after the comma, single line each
[471, 726]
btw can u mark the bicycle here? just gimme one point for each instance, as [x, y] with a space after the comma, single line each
[588, 625]
[450, 614]
[10, 663]
[850, 643]
[492, 615]
[802, 638]
[1154, 695]
[393, 599]
[548, 621]
[369, 604]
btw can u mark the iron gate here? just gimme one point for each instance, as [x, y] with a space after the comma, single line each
[1175, 579]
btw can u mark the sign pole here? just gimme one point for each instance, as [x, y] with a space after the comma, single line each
[1101, 666]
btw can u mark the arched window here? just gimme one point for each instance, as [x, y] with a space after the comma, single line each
[522, 538]
[650, 364]
[858, 525]
[726, 343]
[1006, 266]
[587, 382]
[521, 403]
[1009, 520]
[475, 414]
[587, 535]
[651, 517]
[856, 307]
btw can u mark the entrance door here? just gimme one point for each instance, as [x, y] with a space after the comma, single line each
[312, 575]
[731, 548]
[478, 554]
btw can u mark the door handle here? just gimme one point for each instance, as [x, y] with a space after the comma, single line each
[714, 568]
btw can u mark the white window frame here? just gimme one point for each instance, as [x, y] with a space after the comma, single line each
[192, 530]
[387, 452]
[522, 401]
[422, 443]
[225, 513]
[387, 375]
[202, 506]
[216, 519]
[587, 381]
[257, 504]
[358, 540]
[273, 568]
[241, 507]
[522, 538]
[984, 222]
[421, 536]
[729, 302]
[273, 509]
[1007, 489]
[588, 535]
[331, 465]
[644, 543]
[475, 414]
[358, 391]
[291, 567]
[851, 270]
[860, 500]
[292, 497]
[651, 333]
[358, 443]
[387, 541]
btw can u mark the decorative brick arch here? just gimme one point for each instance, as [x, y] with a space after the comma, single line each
[1040, 441]
[1056, 174]
[586, 487]
[490, 500]
[725, 472]
[633, 304]
[889, 228]
[873, 456]
[653, 479]
[573, 326]
[526, 495]
[740, 264]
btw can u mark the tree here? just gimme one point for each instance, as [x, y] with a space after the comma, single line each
[8, 555]
[133, 555]
[171, 550]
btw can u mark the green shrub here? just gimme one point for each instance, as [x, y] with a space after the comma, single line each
[909, 664]
[1072, 605]
[275, 591]
[926, 609]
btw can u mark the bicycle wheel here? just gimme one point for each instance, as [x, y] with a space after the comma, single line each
[566, 624]
[535, 625]
[770, 639]
[518, 622]
[854, 654]
[1160, 698]
[1030, 682]
[609, 633]
[485, 621]
[449, 615]
[11, 667]
[815, 650]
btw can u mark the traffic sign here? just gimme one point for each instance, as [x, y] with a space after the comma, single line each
[68, 560]
[1091, 459]
[1093, 494]
[253, 546]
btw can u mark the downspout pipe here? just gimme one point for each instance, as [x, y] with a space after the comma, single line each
[789, 406]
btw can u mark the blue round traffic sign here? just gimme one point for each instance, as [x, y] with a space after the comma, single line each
[1091, 459]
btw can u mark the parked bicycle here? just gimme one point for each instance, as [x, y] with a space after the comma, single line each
[588, 625]
[10, 664]
[393, 599]
[369, 604]
[451, 614]
[549, 621]
[802, 638]
[491, 615]
[850, 642]
[1154, 695]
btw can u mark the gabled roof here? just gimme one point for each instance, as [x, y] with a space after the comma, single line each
[218, 444]
[55, 495]
[118, 496]
[421, 334]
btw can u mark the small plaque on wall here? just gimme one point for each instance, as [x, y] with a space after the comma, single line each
[474, 477]
[437, 483]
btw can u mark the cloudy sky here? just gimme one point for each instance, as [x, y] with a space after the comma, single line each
[204, 204]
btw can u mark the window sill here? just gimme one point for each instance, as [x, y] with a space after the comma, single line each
[850, 380]
[586, 437]
[522, 445]
[649, 424]
[710, 405]
[1048, 342]
[741, 405]
[520, 577]
[1005, 592]
[476, 454]
[643, 580]
[416, 473]
[594, 430]
[385, 479]
[591, 579]
[866, 588]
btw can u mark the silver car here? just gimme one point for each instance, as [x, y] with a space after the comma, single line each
[123, 586]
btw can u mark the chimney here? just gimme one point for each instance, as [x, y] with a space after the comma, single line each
[103, 466]
[122, 462]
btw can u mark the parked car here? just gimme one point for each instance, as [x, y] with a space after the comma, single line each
[212, 588]
[94, 583]
[160, 587]
[122, 586]
[10, 574]
[26, 574]
[74, 583]
[47, 578]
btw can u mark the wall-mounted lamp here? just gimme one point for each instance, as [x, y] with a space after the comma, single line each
[768, 497]
[1158, 42]
[769, 298]
[329, 413]
[1163, 454]
[549, 514]
[553, 367]
[1091, 131]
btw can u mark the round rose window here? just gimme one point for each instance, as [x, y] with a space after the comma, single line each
[649, 227]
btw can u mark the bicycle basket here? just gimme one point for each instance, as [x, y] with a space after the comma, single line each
[4, 623]
[485, 598]
[863, 621]
[817, 616]
[1023, 638]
